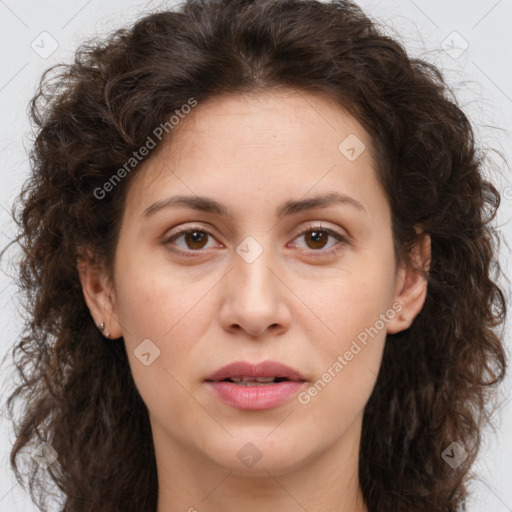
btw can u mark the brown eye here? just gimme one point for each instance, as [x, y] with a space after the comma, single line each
[195, 239]
[318, 238]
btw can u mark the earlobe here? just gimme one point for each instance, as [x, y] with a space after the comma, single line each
[411, 287]
[99, 298]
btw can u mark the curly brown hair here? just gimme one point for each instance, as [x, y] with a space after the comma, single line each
[436, 377]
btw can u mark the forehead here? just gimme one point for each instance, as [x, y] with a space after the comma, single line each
[271, 140]
[286, 116]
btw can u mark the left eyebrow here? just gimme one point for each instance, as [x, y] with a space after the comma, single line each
[291, 207]
[295, 206]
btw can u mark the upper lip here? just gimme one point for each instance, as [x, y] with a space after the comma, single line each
[263, 369]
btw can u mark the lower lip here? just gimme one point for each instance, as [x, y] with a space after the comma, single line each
[256, 397]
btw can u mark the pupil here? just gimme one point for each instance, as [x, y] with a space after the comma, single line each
[317, 236]
[196, 237]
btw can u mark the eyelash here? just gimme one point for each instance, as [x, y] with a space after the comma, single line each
[190, 254]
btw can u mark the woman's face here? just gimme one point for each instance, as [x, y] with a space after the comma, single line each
[267, 277]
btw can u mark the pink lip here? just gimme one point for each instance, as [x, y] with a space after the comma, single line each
[264, 369]
[256, 397]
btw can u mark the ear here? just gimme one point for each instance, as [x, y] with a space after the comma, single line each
[411, 286]
[99, 295]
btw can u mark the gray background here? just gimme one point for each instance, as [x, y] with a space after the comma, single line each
[471, 41]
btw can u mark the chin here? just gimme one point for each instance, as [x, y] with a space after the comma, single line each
[258, 456]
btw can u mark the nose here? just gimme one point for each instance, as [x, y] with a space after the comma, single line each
[256, 298]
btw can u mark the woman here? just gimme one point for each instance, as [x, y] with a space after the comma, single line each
[257, 258]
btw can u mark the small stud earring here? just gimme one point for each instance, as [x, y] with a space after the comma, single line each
[102, 328]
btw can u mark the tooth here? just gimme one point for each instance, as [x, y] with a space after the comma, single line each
[258, 379]
[252, 383]
[252, 379]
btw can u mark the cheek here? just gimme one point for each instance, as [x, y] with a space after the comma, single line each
[348, 360]
[354, 308]
[158, 343]
[350, 304]
[154, 300]
[161, 314]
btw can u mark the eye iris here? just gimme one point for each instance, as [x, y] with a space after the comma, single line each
[195, 237]
[317, 236]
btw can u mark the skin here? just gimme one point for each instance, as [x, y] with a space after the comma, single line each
[252, 153]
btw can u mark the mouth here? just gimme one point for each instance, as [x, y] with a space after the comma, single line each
[248, 374]
[260, 386]
[254, 381]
